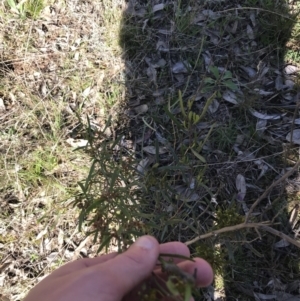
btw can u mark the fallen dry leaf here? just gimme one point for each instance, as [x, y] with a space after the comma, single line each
[265, 116]
[290, 69]
[158, 7]
[294, 136]
[179, 67]
[152, 150]
[214, 106]
[281, 244]
[261, 126]
[250, 71]
[77, 142]
[250, 32]
[230, 97]
[141, 167]
[240, 184]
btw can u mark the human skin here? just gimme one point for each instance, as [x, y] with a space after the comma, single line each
[115, 277]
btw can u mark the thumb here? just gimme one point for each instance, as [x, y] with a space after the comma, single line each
[132, 267]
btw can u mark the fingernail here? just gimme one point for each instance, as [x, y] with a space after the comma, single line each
[145, 242]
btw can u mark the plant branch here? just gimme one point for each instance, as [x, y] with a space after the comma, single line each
[264, 195]
[224, 230]
[263, 226]
[281, 235]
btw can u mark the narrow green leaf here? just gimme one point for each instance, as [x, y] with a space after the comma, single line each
[117, 141]
[105, 242]
[113, 179]
[188, 292]
[90, 175]
[206, 137]
[81, 219]
[12, 4]
[196, 118]
[190, 116]
[165, 230]
[181, 103]
[202, 159]
[207, 104]
[172, 117]
[82, 187]
[107, 124]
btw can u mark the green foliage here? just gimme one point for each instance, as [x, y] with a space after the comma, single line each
[38, 166]
[132, 37]
[293, 56]
[223, 138]
[292, 52]
[178, 285]
[111, 193]
[29, 8]
[275, 21]
[33, 8]
[215, 256]
[228, 217]
[183, 19]
[121, 202]
[190, 118]
[221, 80]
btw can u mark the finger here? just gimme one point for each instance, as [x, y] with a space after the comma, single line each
[201, 269]
[169, 248]
[176, 248]
[81, 264]
[128, 269]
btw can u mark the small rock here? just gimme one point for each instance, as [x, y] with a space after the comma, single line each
[2, 106]
[141, 109]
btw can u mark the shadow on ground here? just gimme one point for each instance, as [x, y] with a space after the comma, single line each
[210, 103]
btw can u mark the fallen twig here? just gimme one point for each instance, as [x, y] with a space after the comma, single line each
[281, 235]
[264, 195]
[263, 226]
[224, 230]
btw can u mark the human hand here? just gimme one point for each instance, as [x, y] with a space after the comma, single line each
[113, 276]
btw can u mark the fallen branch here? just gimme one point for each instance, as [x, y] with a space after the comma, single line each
[264, 195]
[224, 230]
[281, 235]
[263, 226]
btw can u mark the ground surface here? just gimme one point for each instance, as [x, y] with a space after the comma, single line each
[203, 102]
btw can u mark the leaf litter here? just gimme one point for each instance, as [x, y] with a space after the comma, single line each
[256, 95]
[66, 68]
[175, 58]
